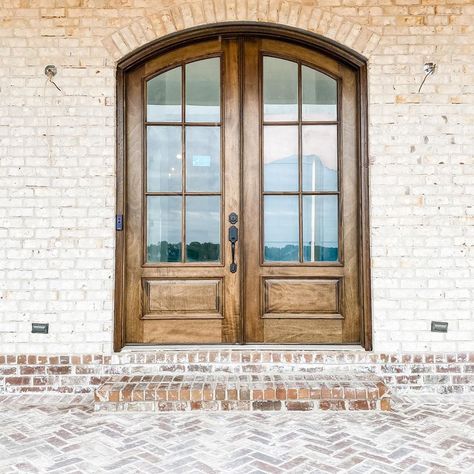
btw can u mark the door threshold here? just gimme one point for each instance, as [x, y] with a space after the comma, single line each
[242, 347]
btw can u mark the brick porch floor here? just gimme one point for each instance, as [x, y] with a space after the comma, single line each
[62, 434]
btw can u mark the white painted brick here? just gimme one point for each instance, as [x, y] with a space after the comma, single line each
[57, 164]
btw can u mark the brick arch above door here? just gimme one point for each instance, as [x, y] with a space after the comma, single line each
[319, 21]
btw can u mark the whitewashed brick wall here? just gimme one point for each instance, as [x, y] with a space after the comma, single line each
[57, 176]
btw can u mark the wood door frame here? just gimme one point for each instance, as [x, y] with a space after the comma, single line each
[232, 29]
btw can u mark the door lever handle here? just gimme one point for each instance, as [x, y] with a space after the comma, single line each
[233, 238]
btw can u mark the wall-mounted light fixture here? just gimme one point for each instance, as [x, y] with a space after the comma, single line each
[50, 71]
[429, 69]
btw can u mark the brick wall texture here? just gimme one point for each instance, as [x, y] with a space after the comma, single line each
[57, 159]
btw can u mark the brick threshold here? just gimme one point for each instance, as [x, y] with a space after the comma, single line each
[243, 392]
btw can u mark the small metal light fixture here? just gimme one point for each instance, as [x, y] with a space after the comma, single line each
[50, 71]
[429, 69]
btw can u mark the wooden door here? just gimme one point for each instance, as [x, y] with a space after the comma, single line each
[300, 201]
[183, 181]
[263, 129]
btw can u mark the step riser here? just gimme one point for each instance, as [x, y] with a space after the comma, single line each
[257, 405]
[258, 392]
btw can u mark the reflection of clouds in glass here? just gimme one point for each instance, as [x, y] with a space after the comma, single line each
[281, 158]
[203, 159]
[280, 141]
[164, 97]
[321, 140]
[164, 228]
[164, 219]
[319, 95]
[203, 219]
[280, 89]
[203, 90]
[281, 227]
[163, 167]
[320, 228]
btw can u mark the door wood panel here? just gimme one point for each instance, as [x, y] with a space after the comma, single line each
[317, 297]
[301, 298]
[282, 310]
[177, 302]
[182, 299]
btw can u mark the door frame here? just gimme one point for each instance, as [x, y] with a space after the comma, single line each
[232, 29]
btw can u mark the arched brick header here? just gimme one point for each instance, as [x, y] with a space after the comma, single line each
[188, 15]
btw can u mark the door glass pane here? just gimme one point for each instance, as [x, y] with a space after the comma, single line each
[319, 143]
[203, 83]
[280, 152]
[164, 228]
[280, 90]
[203, 228]
[320, 228]
[163, 151]
[319, 95]
[164, 97]
[203, 158]
[281, 232]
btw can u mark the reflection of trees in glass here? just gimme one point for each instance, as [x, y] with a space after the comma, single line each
[164, 252]
[195, 252]
[202, 252]
[289, 253]
[321, 253]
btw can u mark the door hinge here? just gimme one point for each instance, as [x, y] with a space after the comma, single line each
[119, 222]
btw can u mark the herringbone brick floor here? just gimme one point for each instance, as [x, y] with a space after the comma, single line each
[62, 434]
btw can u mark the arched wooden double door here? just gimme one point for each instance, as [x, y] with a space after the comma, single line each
[241, 190]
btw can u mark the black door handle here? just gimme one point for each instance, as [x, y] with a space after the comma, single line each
[233, 238]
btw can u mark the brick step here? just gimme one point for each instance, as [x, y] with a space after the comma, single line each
[246, 392]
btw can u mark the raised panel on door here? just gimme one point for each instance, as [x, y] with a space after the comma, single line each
[300, 197]
[183, 145]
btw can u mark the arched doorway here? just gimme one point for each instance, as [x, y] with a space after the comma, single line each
[243, 191]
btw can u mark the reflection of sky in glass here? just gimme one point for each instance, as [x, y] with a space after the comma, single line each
[163, 227]
[281, 228]
[164, 97]
[203, 227]
[203, 171]
[319, 95]
[203, 90]
[320, 228]
[280, 89]
[281, 158]
[319, 157]
[164, 159]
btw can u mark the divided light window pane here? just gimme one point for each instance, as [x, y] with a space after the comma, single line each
[281, 229]
[280, 90]
[203, 84]
[164, 228]
[203, 239]
[319, 143]
[320, 228]
[164, 158]
[280, 157]
[203, 159]
[164, 97]
[319, 93]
